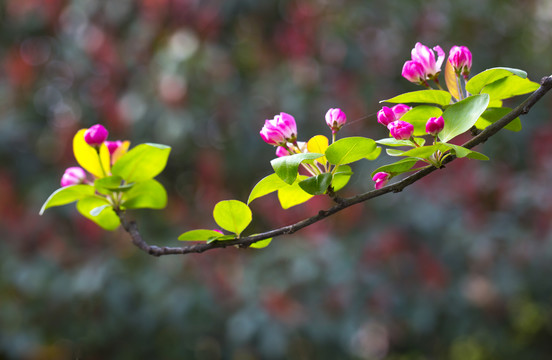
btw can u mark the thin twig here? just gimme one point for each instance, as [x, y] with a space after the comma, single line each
[342, 203]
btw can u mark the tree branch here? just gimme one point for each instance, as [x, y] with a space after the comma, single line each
[342, 203]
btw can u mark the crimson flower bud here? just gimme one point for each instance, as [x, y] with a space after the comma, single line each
[281, 151]
[413, 71]
[381, 178]
[460, 58]
[73, 176]
[399, 110]
[335, 118]
[95, 135]
[435, 125]
[112, 146]
[386, 116]
[401, 130]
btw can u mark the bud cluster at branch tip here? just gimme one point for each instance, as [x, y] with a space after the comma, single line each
[424, 64]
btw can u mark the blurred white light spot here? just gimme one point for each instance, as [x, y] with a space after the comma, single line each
[131, 107]
[172, 88]
[183, 44]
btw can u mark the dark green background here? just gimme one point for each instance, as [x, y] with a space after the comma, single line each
[455, 267]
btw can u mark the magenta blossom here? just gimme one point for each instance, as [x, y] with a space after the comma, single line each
[413, 71]
[381, 178]
[280, 130]
[460, 58]
[434, 125]
[335, 118]
[401, 130]
[386, 115]
[426, 57]
[73, 176]
[112, 146]
[399, 110]
[281, 151]
[95, 135]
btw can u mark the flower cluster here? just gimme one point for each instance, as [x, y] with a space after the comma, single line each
[96, 137]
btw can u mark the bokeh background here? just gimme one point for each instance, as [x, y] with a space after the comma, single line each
[457, 266]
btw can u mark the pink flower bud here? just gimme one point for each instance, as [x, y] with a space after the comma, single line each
[386, 116]
[95, 135]
[287, 126]
[413, 71]
[399, 110]
[73, 176]
[460, 58]
[281, 151]
[112, 146]
[335, 118]
[435, 125]
[381, 179]
[401, 130]
[426, 57]
[271, 135]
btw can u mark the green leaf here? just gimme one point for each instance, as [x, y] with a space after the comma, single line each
[142, 162]
[394, 152]
[479, 81]
[492, 115]
[265, 186]
[147, 194]
[232, 215]
[66, 195]
[348, 150]
[200, 235]
[104, 216]
[398, 167]
[395, 142]
[460, 117]
[287, 166]
[461, 152]
[419, 116]
[261, 244]
[423, 152]
[316, 185]
[374, 154]
[341, 177]
[293, 194]
[508, 87]
[438, 97]
[110, 184]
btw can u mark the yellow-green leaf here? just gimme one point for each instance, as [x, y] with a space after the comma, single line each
[87, 156]
[318, 144]
[451, 80]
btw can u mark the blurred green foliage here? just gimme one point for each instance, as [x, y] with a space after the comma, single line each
[457, 266]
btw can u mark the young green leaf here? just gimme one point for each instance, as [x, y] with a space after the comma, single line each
[419, 116]
[492, 115]
[104, 216]
[200, 235]
[318, 144]
[348, 150]
[341, 176]
[110, 184]
[292, 195]
[232, 215]
[479, 81]
[509, 87]
[374, 154]
[438, 97]
[460, 117]
[394, 142]
[461, 152]
[423, 152]
[261, 244]
[316, 185]
[396, 168]
[287, 166]
[142, 162]
[265, 186]
[147, 194]
[66, 195]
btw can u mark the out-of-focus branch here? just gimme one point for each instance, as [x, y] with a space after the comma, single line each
[342, 203]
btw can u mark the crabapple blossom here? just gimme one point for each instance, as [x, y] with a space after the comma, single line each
[460, 58]
[73, 176]
[434, 125]
[96, 135]
[427, 58]
[335, 118]
[401, 130]
[381, 178]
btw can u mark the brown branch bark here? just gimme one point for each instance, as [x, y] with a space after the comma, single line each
[342, 203]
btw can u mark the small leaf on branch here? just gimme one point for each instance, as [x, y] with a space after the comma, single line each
[232, 215]
[106, 218]
[292, 195]
[438, 97]
[318, 144]
[110, 184]
[200, 235]
[374, 154]
[66, 195]
[287, 166]
[509, 87]
[398, 167]
[479, 81]
[348, 150]
[265, 186]
[394, 142]
[460, 117]
[460, 151]
[142, 162]
[492, 115]
[342, 176]
[261, 244]
[147, 194]
[316, 185]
